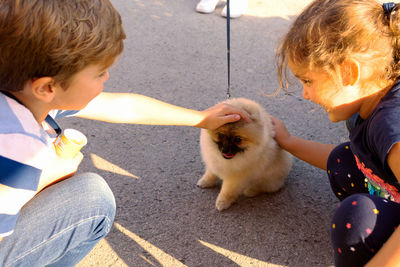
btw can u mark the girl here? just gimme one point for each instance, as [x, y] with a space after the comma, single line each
[346, 55]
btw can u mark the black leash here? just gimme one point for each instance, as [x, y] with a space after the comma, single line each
[228, 43]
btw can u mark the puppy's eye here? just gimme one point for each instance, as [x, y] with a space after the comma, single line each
[220, 136]
[237, 139]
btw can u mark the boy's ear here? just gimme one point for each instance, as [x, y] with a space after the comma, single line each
[43, 89]
[350, 72]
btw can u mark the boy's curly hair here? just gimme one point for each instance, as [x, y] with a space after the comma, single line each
[56, 38]
[329, 31]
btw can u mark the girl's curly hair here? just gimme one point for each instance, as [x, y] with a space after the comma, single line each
[329, 31]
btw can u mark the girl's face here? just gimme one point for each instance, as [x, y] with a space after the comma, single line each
[326, 90]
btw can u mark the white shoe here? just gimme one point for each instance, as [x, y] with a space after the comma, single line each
[206, 6]
[236, 8]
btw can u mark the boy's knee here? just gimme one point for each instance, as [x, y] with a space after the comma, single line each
[96, 194]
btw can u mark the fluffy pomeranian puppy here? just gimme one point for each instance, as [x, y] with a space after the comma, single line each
[244, 156]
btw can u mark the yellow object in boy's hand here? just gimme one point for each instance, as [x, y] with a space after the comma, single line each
[70, 143]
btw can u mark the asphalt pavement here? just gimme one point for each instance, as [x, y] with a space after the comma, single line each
[179, 56]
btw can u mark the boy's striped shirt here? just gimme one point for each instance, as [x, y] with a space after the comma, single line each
[25, 149]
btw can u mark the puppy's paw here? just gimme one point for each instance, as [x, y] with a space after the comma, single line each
[207, 181]
[222, 203]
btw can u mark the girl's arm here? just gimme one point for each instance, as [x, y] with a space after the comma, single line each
[311, 152]
[140, 109]
[389, 254]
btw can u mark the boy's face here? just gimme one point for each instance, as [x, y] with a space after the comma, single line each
[84, 86]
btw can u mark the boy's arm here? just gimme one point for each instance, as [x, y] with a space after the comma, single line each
[311, 152]
[140, 109]
[389, 254]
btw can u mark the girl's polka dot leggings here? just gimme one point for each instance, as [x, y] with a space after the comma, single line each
[362, 222]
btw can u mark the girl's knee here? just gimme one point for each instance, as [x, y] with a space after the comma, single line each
[354, 230]
[353, 220]
[338, 155]
[344, 176]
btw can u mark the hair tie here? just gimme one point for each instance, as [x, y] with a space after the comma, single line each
[388, 8]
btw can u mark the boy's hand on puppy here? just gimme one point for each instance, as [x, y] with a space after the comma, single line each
[220, 114]
[282, 135]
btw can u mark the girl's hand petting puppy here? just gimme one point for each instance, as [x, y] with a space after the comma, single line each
[282, 135]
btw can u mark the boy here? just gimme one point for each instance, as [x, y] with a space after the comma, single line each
[54, 55]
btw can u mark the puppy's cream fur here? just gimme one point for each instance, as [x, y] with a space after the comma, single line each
[261, 167]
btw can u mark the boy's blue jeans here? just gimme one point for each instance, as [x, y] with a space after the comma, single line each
[61, 224]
